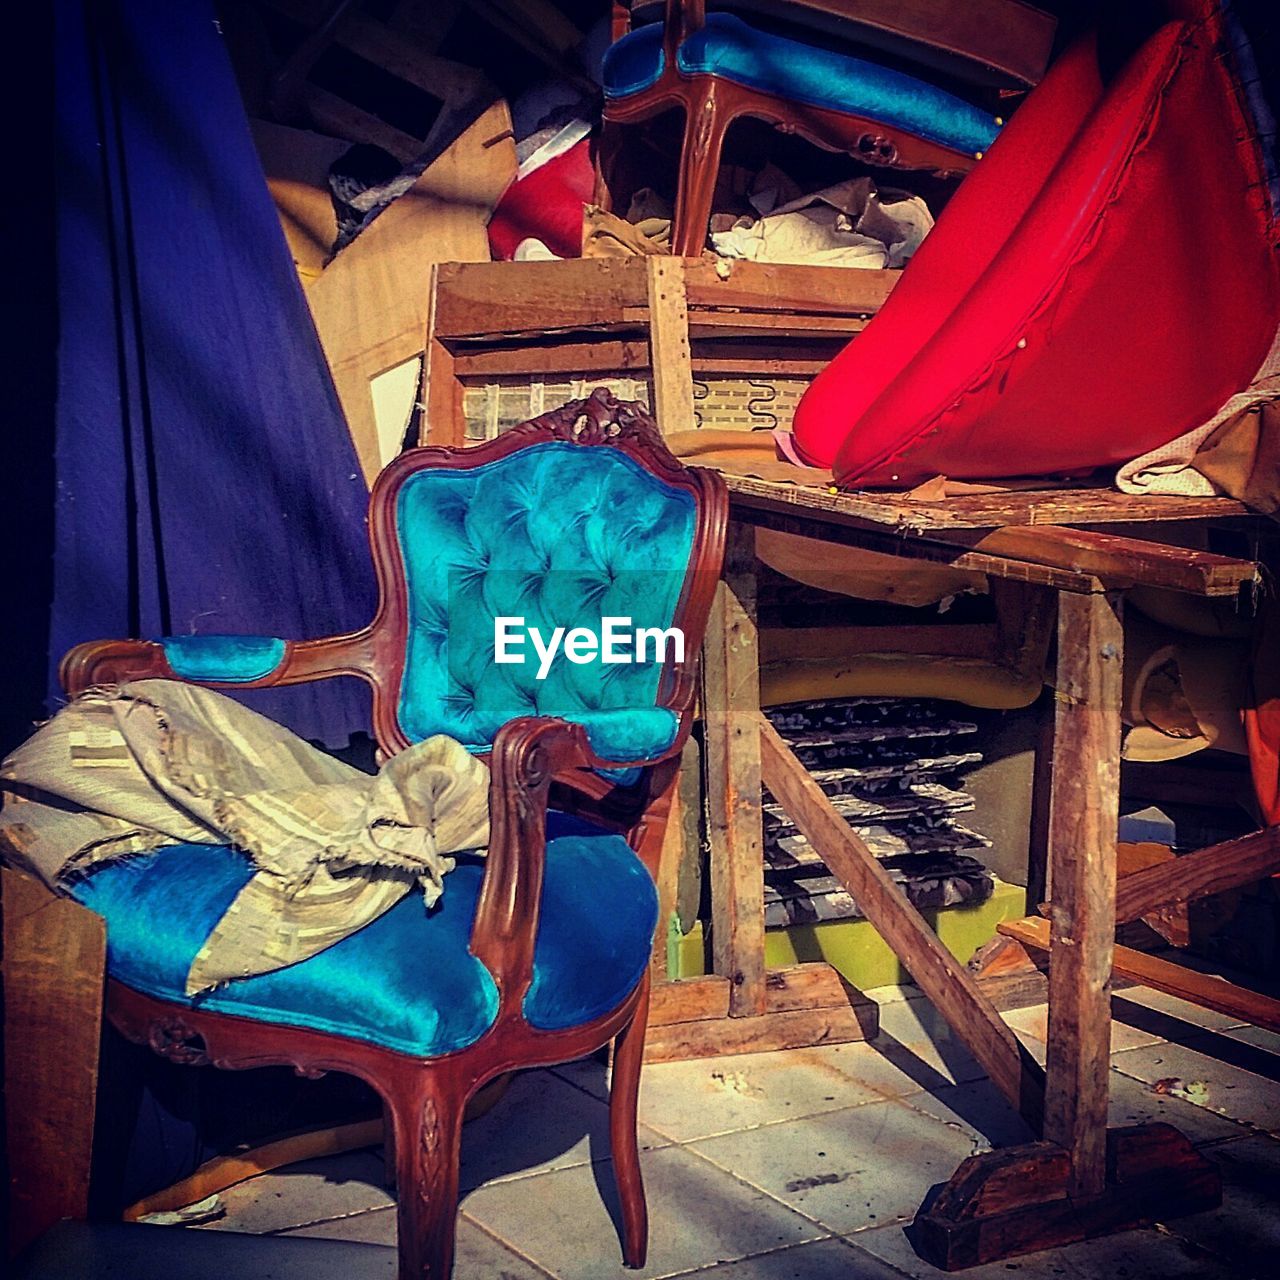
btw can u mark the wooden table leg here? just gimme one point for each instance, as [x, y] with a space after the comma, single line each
[1083, 1180]
[743, 1007]
[731, 707]
[1083, 809]
[54, 965]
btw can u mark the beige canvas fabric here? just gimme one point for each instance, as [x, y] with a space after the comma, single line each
[1234, 453]
[126, 769]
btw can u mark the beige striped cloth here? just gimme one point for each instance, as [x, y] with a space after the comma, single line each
[122, 770]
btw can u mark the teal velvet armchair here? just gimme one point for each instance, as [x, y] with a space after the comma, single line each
[539, 952]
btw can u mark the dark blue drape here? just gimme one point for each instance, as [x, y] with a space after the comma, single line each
[206, 482]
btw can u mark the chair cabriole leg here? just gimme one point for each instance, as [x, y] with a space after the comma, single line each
[427, 1112]
[706, 121]
[624, 1094]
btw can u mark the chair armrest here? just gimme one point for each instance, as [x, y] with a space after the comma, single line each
[238, 661]
[528, 753]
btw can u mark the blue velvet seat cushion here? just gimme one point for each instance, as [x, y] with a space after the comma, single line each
[406, 981]
[729, 48]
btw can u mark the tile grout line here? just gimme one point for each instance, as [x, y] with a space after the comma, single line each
[507, 1245]
[319, 1222]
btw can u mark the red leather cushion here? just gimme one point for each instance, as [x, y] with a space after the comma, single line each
[547, 205]
[1071, 314]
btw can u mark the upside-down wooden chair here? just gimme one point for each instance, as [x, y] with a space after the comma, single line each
[717, 67]
[538, 953]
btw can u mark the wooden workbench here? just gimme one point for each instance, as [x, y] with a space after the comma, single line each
[1082, 1178]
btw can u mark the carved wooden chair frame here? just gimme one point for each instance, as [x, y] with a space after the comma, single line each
[425, 1097]
[711, 104]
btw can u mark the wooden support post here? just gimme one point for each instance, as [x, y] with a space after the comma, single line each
[443, 419]
[669, 344]
[54, 967]
[731, 711]
[1083, 808]
[935, 970]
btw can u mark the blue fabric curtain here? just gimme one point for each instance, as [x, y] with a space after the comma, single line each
[206, 482]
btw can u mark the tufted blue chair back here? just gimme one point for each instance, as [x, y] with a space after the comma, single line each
[560, 535]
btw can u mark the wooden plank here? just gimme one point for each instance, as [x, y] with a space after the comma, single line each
[787, 289]
[1028, 505]
[54, 963]
[370, 304]
[689, 1000]
[991, 511]
[552, 361]
[1066, 559]
[834, 526]
[731, 708]
[668, 879]
[496, 299]
[1196, 875]
[608, 354]
[748, 324]
[337, 115]
[1082, 880]
[797, 986]
[766, 1032]
[221, 1172]
[443, 417]
[669, 341]
[1204, 989]
[1119, 561]
[493, 299]
[950, 987]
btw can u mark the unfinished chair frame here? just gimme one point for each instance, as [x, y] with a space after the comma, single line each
[711, 104]
[425, 1097]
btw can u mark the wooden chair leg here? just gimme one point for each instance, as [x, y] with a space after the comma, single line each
[705, 124]
[426, 1110]
[624, 1095]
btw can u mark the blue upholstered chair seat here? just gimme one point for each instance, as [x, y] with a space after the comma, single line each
[407, 981]
[730, 49]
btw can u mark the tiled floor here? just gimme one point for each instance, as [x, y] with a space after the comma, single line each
[808, 1164]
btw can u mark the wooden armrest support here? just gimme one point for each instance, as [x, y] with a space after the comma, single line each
[116, 661]
[528, 753]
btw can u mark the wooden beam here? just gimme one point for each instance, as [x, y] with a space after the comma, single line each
[336, 115]
[1082, 872]
[731, 709]
[54, 962]
[997, 510]
[787, 289]
[804, 513]
[946, 982]
[1122, 562]
[1196, 875]
[1019, 1199]
[669, 341]
[1065, 559]
[805, 1005]
[497, 299]
[1204, 989]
